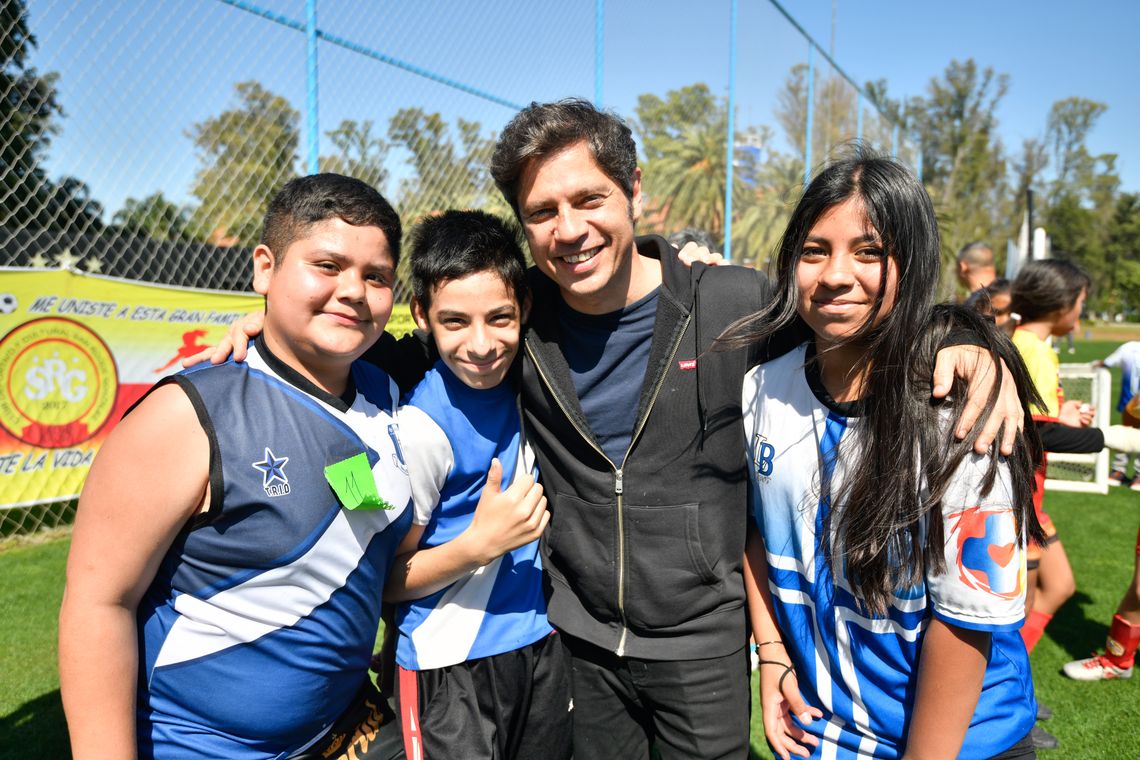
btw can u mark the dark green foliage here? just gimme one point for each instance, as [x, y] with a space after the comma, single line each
[29, 113]
[154, 217]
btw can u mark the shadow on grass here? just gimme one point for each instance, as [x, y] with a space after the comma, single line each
[759, 751]
[1075, 632]
[35, 729]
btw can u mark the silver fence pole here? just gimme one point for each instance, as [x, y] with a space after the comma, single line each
[731, 136]
[312, 122]
[810, 113]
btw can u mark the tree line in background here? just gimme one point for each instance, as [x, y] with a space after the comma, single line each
[29, 117]
[978, 184]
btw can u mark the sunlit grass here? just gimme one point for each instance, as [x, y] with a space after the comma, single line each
[1093, 720]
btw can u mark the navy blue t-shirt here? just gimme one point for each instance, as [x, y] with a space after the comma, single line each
[608, 355]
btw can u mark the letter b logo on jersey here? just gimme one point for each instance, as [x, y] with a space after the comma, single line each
[763, 458]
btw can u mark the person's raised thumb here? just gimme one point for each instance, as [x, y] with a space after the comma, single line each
[494, 478]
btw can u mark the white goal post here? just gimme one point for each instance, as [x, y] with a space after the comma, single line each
[1087, 473]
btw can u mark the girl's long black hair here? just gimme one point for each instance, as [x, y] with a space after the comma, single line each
[888, 527]
[1043, 288]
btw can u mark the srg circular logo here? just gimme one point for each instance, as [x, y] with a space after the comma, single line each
[59, 383]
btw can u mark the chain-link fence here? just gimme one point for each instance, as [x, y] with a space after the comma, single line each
[142, 139]
[145, 138]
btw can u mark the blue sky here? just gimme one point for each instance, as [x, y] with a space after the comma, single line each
[135, 75]
[1051, 49]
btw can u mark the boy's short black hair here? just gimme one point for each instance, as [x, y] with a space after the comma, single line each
[455, 244]
[305, 201]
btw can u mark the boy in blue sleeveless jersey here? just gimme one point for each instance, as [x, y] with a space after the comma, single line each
[223, 586]
[482, 675]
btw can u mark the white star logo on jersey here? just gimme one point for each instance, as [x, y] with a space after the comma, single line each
[274, 480]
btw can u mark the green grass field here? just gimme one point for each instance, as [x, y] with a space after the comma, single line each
[1097, 720]
[31, 717]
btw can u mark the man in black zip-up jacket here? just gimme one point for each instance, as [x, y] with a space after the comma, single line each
[665, 520]
[637, 428]
[636, 423]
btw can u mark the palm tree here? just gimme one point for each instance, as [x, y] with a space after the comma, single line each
[760, 218]
[686, 184]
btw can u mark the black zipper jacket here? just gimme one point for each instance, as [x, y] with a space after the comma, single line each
[644, 556]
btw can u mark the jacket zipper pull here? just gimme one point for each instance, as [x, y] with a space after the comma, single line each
[617, 483]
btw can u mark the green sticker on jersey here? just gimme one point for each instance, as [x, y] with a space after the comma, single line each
[354, 484]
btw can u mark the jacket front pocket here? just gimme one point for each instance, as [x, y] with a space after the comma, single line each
[581, 541]
[668, 578]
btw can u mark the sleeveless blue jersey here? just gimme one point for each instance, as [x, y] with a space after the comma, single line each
[259, 625]
[859, 669]
[451, 433]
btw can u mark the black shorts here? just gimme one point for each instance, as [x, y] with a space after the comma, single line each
[1023, 750]
[511, 706]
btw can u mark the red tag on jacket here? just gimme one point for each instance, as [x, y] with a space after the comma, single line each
[687, 364]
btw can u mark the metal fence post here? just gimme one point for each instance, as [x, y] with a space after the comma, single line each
[731, 136]
[599, 48]
[810, 113]
[311, 120]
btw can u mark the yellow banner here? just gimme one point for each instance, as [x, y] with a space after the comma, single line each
[401, 323]
[77, 350]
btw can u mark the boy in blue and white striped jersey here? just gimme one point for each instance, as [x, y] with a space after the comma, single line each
[223, 582]
[482, 673]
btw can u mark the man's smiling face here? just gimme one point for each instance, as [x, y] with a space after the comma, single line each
[579, 224]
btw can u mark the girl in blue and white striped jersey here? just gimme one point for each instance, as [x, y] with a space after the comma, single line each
[887, 580]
